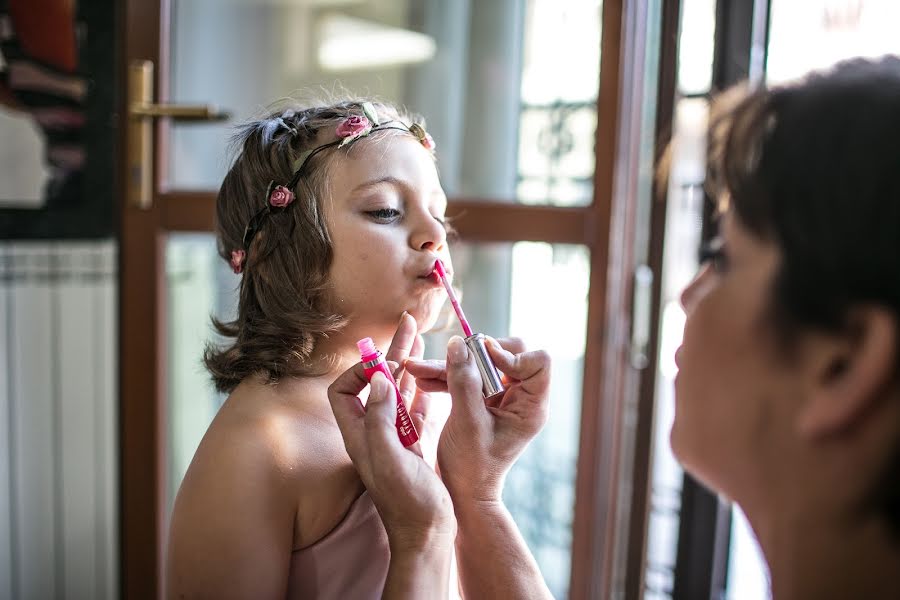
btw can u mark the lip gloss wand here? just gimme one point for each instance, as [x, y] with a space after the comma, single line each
[492, 385]
[373, 361]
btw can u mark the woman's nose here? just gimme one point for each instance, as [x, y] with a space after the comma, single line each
[690, 292]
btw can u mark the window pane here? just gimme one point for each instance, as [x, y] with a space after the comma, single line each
[549, 310]
[199, 283]
[682, 239]
[560, 79]
[831, 30]
[748, 576]
[507, 87]
[537, 292]
[695, 46]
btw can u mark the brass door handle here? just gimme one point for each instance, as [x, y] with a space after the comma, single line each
[182, 112]
[141, 112]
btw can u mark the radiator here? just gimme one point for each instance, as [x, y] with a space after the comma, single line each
[58, 420]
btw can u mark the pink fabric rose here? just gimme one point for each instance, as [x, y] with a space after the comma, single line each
[423, 136]
[237, 260]
[354, 126]
[281, 196]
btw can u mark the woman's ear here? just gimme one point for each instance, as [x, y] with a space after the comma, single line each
[850, 372]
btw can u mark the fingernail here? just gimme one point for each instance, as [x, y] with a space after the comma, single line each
[378, 383]
[456, 350]
[403, 316]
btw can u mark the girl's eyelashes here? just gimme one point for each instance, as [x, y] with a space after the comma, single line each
[449, 229]
[391, 215]
[385, 215]
[713, 252]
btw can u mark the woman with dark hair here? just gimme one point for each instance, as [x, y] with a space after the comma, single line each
[788, 395]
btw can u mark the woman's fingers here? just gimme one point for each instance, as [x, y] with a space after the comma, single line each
[406, 380]
[380, 418]
[531, 366]
[348, 410]
[403, 341]
[463, 381]
[344, 392]
[427, 369]
[512, 344]
[431, 375]
[431, 385]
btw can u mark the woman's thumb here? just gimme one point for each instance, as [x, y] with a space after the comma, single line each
[463, 380]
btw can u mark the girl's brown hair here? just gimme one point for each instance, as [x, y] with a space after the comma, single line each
[283, 307]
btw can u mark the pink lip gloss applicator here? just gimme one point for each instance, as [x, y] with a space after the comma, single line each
[490, 378]
[373, 361]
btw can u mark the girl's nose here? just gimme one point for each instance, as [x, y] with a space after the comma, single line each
[429, 234]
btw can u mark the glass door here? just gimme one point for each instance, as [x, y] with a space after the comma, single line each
[526, 121]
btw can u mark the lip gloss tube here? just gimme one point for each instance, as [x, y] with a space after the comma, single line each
[373, 361]
[491, 382]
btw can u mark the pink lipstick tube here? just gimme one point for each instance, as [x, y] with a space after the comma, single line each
[373, 361]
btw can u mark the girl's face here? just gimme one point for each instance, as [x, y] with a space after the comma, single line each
[731, 388]
[385, 217]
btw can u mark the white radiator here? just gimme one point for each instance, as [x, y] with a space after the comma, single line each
[58, 420]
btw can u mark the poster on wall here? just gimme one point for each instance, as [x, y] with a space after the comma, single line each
[57, 127]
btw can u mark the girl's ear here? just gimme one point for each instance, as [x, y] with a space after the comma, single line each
[849, 372]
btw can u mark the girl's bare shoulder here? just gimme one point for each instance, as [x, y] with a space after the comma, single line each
[286, 429]
[282, 443]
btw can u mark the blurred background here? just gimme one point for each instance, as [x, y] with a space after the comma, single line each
[549, 117]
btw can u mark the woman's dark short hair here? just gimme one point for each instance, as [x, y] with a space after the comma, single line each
[815, 168]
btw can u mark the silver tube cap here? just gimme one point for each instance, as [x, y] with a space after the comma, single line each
[490, 377]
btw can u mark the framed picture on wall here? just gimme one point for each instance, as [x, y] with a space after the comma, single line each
[57, 125]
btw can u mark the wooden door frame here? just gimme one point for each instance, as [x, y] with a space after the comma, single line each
[605, 227]
[641, 480]
[142, 337]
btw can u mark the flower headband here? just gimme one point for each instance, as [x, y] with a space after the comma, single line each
[278, 197]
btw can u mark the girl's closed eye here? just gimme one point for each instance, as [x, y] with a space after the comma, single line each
[385, 215]
[451, 232]
[713, 252]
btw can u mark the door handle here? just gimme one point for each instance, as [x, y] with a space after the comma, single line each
[141, 112]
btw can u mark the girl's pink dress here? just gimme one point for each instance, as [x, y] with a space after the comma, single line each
[349, 563]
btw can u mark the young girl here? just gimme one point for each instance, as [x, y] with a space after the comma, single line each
[333, 216]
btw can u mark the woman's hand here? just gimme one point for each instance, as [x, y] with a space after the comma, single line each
[482, 439]
[413, 503]
[408, 344]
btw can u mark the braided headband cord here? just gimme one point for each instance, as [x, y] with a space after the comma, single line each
[257, 219]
